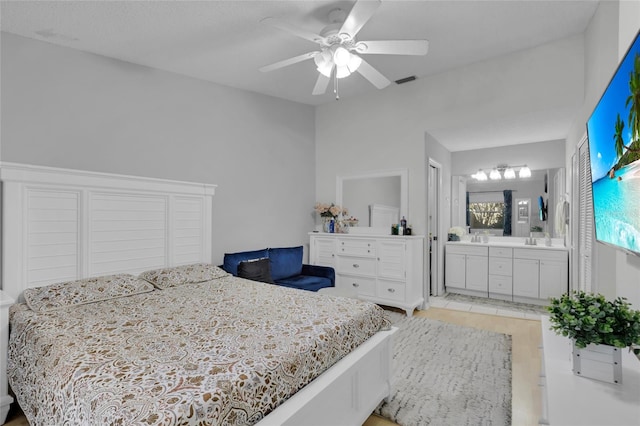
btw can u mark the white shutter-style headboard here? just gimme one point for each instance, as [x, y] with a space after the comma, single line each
[61, 224]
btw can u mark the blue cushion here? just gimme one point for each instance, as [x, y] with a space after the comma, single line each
[285, 262]
[231, 260]
[305, 282]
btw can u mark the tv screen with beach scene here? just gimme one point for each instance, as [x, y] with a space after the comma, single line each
[614, 150]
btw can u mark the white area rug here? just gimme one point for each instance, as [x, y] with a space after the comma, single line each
[445, 374]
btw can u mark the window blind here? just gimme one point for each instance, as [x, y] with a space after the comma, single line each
[585, 227]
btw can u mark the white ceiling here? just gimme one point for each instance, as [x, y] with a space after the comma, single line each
[224, 41]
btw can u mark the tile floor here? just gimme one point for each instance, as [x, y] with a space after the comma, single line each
[442, 302]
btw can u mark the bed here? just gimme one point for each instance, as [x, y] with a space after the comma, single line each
[219, 351]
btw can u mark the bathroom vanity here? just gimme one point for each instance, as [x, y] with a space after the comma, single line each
[507, 269]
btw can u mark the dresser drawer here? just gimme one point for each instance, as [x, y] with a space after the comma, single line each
[500, 266]
[357, 247]
[362, 285]
[356, 265]
[391, 290]
[500, 284]
[501, 252]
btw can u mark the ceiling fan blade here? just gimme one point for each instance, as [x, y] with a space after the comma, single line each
[292, 29]
[289, 61]
[361, 12]
[393, 47]
[371, 74]
[321, 84]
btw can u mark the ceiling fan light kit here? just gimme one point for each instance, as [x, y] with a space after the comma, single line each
[339, 50]
[344, 61]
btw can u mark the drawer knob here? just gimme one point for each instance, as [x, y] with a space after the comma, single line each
[368, 251]
[355, 265]
[391, 290]
[355, 284]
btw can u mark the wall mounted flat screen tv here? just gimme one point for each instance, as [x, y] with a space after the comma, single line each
[614, 151]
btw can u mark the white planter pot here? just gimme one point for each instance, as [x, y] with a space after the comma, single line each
[599, 362]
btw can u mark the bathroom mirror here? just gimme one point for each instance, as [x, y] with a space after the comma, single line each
[548, 184]
[358, 191]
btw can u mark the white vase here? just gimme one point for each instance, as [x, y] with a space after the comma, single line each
[599, 362]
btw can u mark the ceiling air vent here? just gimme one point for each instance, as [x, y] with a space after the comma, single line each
[406, 79]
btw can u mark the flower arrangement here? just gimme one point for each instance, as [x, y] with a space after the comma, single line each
[330, 210]
[590, 318]
[455, 233]
[457, 230]
[350, 221]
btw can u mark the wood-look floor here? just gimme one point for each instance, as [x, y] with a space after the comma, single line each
[525, 362]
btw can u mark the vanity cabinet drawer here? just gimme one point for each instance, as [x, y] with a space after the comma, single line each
[500, 266]
[501, 252]
[466, 249]
[500, 284]
[356, 265]
[357, 247]
[391, 290]
[362, 285]
[541, 254]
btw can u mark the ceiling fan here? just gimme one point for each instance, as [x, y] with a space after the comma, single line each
[340, 53]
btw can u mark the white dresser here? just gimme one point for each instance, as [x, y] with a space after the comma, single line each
[384, 269]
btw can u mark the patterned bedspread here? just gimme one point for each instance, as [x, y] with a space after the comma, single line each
[226, 351]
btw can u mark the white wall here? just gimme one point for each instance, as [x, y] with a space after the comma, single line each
[66, 108]
[607, 38]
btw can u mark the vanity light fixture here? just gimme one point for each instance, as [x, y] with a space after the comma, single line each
[497, 173]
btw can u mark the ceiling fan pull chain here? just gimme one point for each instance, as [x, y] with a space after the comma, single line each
[335, 84]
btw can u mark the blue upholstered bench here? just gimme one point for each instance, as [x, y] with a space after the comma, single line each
[284, 267]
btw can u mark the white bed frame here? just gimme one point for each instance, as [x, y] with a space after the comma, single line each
[61, 224]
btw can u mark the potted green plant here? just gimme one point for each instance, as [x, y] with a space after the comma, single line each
[598, 327]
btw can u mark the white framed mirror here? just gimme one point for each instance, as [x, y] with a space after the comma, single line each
[358, 191]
